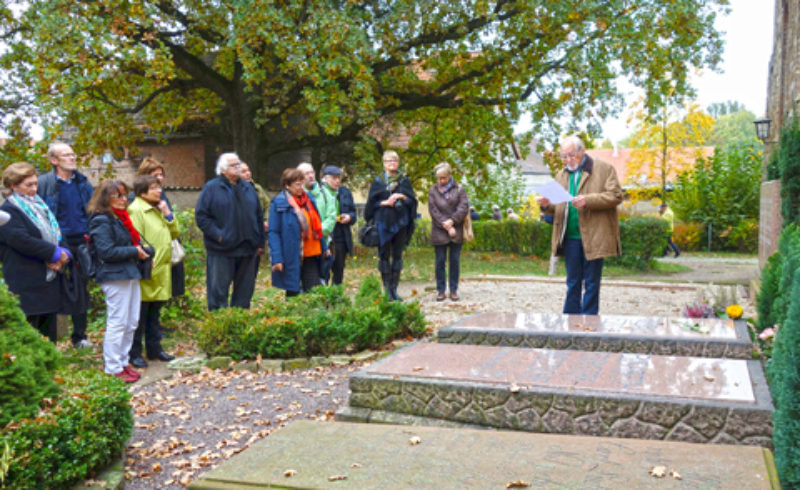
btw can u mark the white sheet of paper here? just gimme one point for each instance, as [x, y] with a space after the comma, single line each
[553, 191]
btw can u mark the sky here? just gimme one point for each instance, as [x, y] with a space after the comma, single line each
[748, 35]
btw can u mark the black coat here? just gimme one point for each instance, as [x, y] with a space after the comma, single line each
[117, 255]
[342, 232]
[24, 255]
[390, 220]
[230, 217]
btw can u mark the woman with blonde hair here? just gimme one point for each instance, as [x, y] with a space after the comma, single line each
[30, 249]
[448, 207]
[118, 247]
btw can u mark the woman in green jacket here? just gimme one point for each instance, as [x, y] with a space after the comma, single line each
[149, 215]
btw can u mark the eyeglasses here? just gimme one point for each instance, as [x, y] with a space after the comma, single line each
[67, 155]
[571, 154]
[119, 196]
[237, 164]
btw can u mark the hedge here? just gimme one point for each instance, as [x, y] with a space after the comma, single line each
[324, 321]
[779, 304]
[60, 425]
[642, 238]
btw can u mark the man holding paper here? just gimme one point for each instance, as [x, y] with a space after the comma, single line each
[585, 227]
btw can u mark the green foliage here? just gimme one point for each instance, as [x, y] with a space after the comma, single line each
[789, 165]
[27, 363]
[720, 109]
[769, 290]
[722, 190]
[773, 167]
[342, 78]
[18, 148]
[515, 237]
[500, 184]
[82, 431]
[743, 237]
[734, 129]
[688, 236]
[323, 321]
[189, 306]
[642, 239]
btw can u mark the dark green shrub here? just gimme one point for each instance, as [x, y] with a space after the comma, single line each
[82, 431]
[769, 290]
[743, 237]
[323, 321]
[179, 309]
[642, 239]
[27, 363]
[513, 237]
[789, 165]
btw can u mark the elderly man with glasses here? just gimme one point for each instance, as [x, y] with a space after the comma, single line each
[232, 221]
[67, 192]
[585, 230]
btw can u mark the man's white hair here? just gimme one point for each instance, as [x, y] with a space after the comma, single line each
[303, 166]
[224, 160]
[573, 141]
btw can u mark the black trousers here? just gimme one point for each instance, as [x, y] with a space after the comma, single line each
[149, 327]
[46, 325]
[79, 308]
[309, 276]
[390, 254]
[339, 258]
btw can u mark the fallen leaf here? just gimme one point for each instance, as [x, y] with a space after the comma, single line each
[513, 388]
[156, 467]
[708, 377]
[658, 471]
[337, 477]
[675, 474]
[518, 484]
[414, 440]
[289, 473]
[355, 465]
[418, 368]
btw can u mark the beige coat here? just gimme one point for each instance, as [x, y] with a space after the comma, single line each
[599, 222]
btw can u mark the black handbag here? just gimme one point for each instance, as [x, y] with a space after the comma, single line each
[86, 259]
[146, 266]
[368, 234]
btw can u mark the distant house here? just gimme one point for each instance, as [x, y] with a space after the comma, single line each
[534, 171]
[620, 158]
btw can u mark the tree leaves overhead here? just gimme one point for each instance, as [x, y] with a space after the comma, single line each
[286, 75]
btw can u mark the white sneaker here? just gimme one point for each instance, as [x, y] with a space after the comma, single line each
[84, 344]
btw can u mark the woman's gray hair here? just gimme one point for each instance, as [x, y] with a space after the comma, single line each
[222, 161]
[443, 168]
[573, 141]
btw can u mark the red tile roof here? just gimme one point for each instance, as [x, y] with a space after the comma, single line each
[619, 158]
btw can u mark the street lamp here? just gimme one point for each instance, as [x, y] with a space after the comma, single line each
[762, 129]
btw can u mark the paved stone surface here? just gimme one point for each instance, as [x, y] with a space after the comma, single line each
[614, 333]
[575, 392]
[382, 456]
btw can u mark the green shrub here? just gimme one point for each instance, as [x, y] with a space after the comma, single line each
[322, 322]
[789, 166]
[513, 237]
[769, 290]
[82, 431]
[688, 236]
[27, 363]
[642, 239]
[743, 237]
[189, 306]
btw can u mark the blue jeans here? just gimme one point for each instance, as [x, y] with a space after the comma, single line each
[455, 266]
[581, 273]
[221, 271]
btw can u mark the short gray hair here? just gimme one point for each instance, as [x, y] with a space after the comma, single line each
[222, 161]
[573, 141]
[443, 168]
[52, 150]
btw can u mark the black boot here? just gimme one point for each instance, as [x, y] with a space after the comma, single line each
[395, 283]
[387, 284]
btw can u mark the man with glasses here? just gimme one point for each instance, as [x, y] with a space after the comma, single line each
[585, 230]
[67, 192]
[232, 221]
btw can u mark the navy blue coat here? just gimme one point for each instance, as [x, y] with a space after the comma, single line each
[342, 232]
[116, 253]
[230, 217]
[285, 242]
[24, 255]
[48, 189]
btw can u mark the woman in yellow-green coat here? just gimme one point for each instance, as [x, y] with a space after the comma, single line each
[153, 220]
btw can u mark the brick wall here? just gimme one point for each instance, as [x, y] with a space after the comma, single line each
[770, 220]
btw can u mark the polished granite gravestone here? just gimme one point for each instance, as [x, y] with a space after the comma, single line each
[697, 337]
[366, 456]
[691, 399]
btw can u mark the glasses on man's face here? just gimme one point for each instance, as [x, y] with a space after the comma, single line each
[571, 154]
[67, 155]
[237, 164]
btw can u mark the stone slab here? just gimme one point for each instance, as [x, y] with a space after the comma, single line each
[723, 338]
[381, 456]
[722, 401]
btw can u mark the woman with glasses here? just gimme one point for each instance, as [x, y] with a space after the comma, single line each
[118, 247]
[30, 249]
[448, 207]
[151, 217]
[393, 205]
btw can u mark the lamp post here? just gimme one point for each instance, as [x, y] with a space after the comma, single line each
[762, 129]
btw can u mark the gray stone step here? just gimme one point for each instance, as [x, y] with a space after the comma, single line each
[381, 456]
[723, 338]
[691, 399]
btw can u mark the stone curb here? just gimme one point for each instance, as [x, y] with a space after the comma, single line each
[112, 477]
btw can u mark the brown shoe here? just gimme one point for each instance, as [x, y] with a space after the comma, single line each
[454, 297]
[441, 297]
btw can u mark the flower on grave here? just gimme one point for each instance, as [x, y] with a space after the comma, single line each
[768, 334]
[734, 311]
[699, 309]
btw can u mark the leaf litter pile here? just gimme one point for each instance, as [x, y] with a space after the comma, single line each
[189, 424]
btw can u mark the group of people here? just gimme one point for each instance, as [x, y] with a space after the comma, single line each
[307, 229]
[42, 247]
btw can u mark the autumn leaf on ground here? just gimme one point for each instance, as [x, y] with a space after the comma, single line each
[658, 471]
[675, 474]
[289, 473]
[708, 377]
[414, 440]
[355, 465]
[337, 477]
[514, 388]
[518, 484]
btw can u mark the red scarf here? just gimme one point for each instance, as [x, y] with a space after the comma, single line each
[123, 216]
[309, 232]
